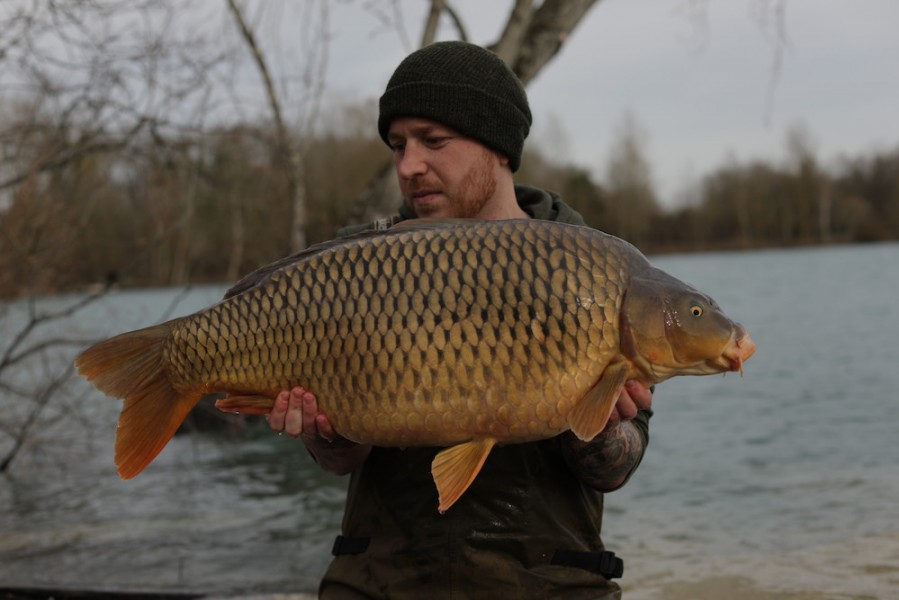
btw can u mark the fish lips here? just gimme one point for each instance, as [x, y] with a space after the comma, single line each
[740, 350]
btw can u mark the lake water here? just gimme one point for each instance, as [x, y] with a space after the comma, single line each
[781, 484]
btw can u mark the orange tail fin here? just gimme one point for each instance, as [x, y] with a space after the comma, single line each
[130, 366]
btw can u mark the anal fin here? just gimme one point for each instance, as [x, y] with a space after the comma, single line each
[589, 416]
[455, 468]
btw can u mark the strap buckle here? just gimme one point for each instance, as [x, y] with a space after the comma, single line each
[604, 563]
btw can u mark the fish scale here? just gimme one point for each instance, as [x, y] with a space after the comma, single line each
[460, 333]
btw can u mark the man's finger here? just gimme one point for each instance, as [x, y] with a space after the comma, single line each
[310, 412]
[639, 394]
[626, 407]
[324, 428]
[279, 411]
[293, 422]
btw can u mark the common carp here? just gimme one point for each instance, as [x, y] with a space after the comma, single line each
[456, 333]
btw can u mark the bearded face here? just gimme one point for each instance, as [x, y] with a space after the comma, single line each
[464, 197]
[441, 173]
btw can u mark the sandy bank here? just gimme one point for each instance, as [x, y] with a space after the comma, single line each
[864, 568]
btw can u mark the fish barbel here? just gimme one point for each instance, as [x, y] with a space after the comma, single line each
[457, 333]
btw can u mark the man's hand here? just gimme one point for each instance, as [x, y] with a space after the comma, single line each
[634, 397]
[296, 413]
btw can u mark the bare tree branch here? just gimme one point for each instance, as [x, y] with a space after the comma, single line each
[12, 356]
[508, 46]
[767, 12]
[429, 33]
[35, 320]
[457, 22]
[289, 153]
[41, 402]
[549, 28]
[250, 39]
[76, 151]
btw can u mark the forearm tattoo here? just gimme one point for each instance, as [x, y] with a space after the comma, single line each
[605, 462]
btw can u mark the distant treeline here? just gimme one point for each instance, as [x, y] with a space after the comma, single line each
[212, 206]
[749, 205]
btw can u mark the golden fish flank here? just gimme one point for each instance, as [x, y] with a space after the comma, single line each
[460, 334]
[440, 332]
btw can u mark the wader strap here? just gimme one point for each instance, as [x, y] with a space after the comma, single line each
[349, 545]
[605, 563]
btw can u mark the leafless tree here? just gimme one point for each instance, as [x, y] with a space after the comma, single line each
[111, 70]
[290, 145]
[30, 344]
[80, 79]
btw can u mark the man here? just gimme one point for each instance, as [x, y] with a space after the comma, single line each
[456, 118]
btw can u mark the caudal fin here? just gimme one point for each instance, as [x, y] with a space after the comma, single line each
[130, 366]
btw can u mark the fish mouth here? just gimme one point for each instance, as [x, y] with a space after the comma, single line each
[739, 351]
[735, 352]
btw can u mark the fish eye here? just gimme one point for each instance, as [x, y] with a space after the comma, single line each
[696, 310]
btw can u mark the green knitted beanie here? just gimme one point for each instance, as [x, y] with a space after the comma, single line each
[465, 87]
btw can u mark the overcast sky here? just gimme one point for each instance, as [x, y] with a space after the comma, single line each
[704, 92]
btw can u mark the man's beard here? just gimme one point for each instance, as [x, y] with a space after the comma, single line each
[472, 194]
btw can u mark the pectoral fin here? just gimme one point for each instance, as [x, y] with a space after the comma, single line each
[456, 467]
[248, 405]
[590, 415]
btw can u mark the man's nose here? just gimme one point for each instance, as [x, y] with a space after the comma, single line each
[411, 163]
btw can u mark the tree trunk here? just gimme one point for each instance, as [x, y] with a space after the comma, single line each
[291, 158]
